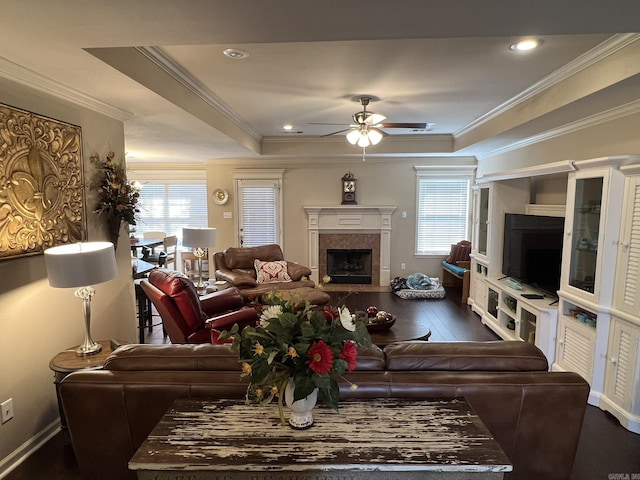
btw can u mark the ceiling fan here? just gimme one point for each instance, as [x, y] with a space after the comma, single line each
[367, 127]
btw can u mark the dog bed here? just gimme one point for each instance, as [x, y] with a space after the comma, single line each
[419, 286]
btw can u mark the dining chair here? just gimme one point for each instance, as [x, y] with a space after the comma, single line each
[165, 256]
[153, 235]
[170, 246]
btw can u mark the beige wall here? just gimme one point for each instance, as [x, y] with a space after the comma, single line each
[37, 321]
[318, 182]
[616, 137]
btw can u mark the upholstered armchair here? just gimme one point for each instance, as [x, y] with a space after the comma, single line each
[238, 267]
[188, 318]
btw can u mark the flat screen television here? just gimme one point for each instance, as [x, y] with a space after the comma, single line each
[532, 250]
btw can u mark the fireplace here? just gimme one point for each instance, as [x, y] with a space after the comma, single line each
[349, 265]
[351, 227]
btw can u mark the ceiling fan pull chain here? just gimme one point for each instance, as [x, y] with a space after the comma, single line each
[364, 152]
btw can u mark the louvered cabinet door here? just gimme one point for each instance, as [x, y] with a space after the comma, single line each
[627, 285]
[622, 363]
[576, 347]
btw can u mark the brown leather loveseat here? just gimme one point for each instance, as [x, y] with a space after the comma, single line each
[236, 266]
[535, 415]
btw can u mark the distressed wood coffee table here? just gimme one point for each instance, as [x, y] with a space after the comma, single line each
[370, 440]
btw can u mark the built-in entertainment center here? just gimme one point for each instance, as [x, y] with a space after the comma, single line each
[566, 276]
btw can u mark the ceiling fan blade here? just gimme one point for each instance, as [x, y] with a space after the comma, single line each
[335, 133]
[375, 119]
[324, 123]
[418, 126]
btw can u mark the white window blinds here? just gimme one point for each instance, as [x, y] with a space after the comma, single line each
[169, 205]
[258, 207]
[443, 213]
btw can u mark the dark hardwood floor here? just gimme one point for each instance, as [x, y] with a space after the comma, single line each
[605, 447]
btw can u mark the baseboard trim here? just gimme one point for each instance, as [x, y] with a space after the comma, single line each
[19, 455]
[354, 287]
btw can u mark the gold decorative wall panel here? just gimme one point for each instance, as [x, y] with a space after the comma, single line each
[41, 183]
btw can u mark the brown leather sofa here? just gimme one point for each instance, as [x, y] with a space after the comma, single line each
[535, 415]
[236, 266]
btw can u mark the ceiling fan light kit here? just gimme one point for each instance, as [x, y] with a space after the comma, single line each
[367, 127]
[364, 136]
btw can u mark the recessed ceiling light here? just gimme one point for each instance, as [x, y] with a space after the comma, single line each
[287, 127]
[235, 53]
[526, 45]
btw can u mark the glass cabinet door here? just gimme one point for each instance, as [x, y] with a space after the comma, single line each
[585, 233]
[483, 221]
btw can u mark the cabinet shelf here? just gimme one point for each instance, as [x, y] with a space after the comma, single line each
[529, 320]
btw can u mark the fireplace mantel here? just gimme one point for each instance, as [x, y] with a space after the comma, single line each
[352, 219]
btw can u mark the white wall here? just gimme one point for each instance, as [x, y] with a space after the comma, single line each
[37, 321]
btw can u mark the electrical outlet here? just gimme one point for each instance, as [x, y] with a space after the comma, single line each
[403, 266]
[6, 410]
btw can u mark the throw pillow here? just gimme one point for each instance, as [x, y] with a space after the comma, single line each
[271, 272]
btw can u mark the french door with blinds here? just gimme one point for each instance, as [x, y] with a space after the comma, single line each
[259, 211]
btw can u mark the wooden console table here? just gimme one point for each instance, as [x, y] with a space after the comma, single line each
[368, 440]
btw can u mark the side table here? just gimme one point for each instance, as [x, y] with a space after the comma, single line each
[68, 361]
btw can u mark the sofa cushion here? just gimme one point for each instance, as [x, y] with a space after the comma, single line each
[459, 252]
[173, 358]
[455, 269]
[243, 257]
[371, 358]
[498, 356]
[297, 271]
[271, 272]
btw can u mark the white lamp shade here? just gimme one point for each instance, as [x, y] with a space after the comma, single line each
[353, 136]
[80, 264]
[375, 136]
[363, 141]
[198, 237]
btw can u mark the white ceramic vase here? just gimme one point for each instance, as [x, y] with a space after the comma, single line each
[301, 410]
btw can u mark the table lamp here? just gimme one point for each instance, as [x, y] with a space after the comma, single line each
[199, 239]
[81, 265]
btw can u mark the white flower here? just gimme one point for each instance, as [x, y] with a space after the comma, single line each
[272, 311]
[346, 319]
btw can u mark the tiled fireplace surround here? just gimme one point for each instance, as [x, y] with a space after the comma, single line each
[350, 226]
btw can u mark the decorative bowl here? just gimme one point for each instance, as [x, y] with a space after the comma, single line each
[381, 326]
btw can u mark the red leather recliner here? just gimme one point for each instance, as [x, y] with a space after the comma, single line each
[188, 318]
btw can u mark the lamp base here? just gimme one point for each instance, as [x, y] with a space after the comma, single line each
[88, 347]
[84, 350]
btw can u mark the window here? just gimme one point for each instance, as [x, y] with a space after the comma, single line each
[170, 205]
[443, 212]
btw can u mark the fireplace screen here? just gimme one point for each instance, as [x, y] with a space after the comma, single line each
[349, 265]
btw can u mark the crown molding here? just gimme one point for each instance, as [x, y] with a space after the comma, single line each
[593, 56]
[24, 76]
[166, 63]
[615, 113]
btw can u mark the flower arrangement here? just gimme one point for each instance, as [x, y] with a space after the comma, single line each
[117, 197]
[298, 341]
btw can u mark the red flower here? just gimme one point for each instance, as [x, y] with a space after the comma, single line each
[349, 354]
[321, 358]
[330, 313]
